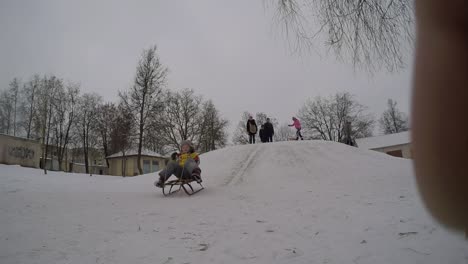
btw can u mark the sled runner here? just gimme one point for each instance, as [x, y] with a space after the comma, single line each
[184, 184]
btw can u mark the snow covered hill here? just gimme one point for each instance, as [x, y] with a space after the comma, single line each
[287, 202]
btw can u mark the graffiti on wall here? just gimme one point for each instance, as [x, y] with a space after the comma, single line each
[21, 152]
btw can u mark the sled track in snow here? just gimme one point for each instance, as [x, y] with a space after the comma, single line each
[243, 166]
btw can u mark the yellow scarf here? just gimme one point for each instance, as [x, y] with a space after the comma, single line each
[184, 157]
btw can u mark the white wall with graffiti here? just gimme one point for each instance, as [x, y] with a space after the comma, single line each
[19, 151]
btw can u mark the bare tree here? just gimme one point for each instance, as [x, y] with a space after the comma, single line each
[29, 105]
[325, 118]
[64, 117]
[46, 95]
[14, 90]
[155, 139]
[371, 33]
[6, 111]
[240, 136]
[143, 99]
[121, 138]
[213, 128]
[283, 133]
[53, 86]
[87, 123]
[392, 120]
[121, 130]
[261, 119]
[106, 117]
[181, 117]
[9, 101]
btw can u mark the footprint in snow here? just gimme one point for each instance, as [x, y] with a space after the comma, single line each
[168, 261]
[291, 253]
[203, 247]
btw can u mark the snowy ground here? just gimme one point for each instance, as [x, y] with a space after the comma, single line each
[289, 202]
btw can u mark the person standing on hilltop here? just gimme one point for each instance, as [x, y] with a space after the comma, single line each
[269, 131]
[262, 134]
[251, 129]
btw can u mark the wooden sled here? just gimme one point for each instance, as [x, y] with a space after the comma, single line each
[184, 184]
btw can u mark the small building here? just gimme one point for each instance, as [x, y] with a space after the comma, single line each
[96, 161]
[19, 151]
[120, 165]
[52, 163]
[92, 169]
[398, 144]
[96, 157]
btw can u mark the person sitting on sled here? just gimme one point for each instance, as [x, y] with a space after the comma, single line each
[184, 165]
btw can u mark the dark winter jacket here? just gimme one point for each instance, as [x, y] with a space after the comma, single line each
[263, 136]
[251, 127]
[269, 131]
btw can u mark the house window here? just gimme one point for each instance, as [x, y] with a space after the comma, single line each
[155, 166]
[395, 153]
[146, 166]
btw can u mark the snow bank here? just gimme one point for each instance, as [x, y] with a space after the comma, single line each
[288, 202]
[134, 152]
[384, 140]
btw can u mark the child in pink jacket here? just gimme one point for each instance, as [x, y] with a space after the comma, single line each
[297, 125]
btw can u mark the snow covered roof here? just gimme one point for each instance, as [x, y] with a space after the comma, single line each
[22, 138]
[384, 141]
[134, 152]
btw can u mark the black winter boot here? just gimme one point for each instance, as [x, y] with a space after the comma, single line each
[196, 175]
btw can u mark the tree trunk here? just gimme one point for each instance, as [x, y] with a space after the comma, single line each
[86, 154]
[140, 144]
[44, 123]
[9, 121]
[44, 159]
[31, 112]
[14, 114]
[62, 148]
[59, 157]
[395, 121]
[85, 149]
[48, 137]
[140, 136]
[106, 153]
[124, 163]
[123, 167]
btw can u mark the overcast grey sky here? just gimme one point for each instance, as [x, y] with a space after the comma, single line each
[228, 51]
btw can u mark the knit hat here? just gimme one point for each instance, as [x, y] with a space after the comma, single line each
[186, 142]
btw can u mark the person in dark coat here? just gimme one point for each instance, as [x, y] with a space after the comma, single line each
[251, 129]
[262, 134]
[269, 131]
